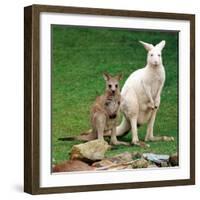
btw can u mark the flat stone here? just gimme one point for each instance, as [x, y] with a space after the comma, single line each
[173, 160]
[140, 163]
[90, 151]
[120, 158]
[152, 166]
[117, 159]
[136, 155]
[72, 165]
[164, 164]
[156, 158]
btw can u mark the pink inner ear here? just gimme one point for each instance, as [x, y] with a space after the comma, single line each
[147, 46]
[161, 45]
[106, 76]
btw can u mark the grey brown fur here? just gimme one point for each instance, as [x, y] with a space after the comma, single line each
[105, 110]
[104, 113]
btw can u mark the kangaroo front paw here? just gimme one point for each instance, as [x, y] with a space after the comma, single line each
[151, 105]
[157, 104]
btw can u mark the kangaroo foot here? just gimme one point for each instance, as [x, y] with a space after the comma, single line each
[140, 144]
[116, 142]
[160, 138]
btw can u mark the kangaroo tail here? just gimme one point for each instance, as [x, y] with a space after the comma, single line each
[85, 136]
[124, 127]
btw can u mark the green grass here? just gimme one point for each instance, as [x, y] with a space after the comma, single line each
[80, 56]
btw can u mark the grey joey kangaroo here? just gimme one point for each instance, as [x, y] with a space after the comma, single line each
[104, 113]
[105, 110]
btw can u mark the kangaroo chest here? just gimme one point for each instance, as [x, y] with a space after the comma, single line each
[110, 124]
[154, 80]
[111, 107]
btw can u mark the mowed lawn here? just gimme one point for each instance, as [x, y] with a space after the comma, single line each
[79, 57]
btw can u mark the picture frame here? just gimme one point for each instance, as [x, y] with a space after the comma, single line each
[34, 142]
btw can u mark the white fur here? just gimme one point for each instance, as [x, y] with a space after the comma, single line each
[141, 94]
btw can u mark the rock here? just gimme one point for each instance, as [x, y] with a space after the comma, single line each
[173, 160]
[140, 163]
[89, 151]
[72, 165]
[164, 164]
[122, 161]
[102, 163]
[118, 159]
[123, 157]
[136, 155]
[156, 158]
[152, 166]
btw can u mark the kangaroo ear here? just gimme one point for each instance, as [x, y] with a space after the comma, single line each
[106, 76]
[161, 45]
[119, 77]
[147, 46]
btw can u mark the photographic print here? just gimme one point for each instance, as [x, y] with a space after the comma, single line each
[107, 80]
[109, 99]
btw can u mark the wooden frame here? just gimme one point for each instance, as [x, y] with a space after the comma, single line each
[32, 105]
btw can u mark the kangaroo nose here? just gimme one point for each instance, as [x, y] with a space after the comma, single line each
[156, 62]
[113, 91]
[113, 116]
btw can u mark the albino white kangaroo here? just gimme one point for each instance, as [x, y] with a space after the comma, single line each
[141, 96]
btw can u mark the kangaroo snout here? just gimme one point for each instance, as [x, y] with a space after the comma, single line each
[113, 116]
[156, 62]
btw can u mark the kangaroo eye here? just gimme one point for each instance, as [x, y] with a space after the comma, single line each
[159, 55]
[116, 86]
[107, 104]
[151, 55]
[109, 86]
